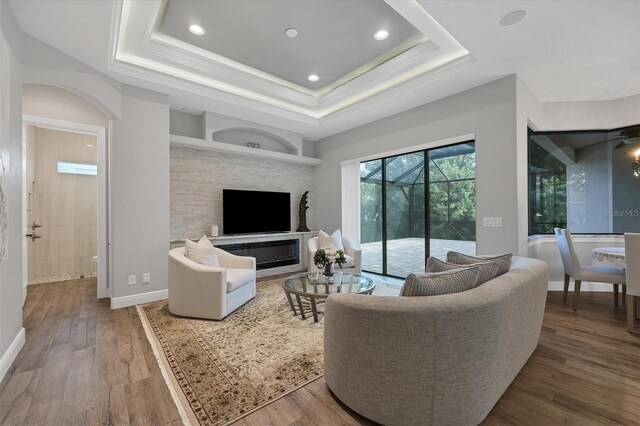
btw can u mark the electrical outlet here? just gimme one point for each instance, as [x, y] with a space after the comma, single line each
[146, 278]
[492, 222]
[132, 280]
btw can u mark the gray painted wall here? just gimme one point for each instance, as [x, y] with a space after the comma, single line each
[489, 111]
[11, 285]
[589, 190]
[185, 124]
[626, 192]
[140, 192]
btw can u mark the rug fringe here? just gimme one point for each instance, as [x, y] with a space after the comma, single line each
[165, 374]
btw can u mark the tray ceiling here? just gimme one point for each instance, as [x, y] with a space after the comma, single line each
[245, 53]
[560, 51]
[332, 41]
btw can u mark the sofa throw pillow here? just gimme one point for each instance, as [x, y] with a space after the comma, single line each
[325, 240]
[486, 270]
[201, 252]
[504, 260]
[438, 283]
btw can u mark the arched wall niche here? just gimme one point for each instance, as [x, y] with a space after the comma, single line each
[245, 136]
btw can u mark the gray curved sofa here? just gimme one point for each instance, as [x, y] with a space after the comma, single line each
[437, 360]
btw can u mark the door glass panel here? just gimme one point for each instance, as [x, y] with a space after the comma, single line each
[371, 215]
[405, 245]
[452, 200]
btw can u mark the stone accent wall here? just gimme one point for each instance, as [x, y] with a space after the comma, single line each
[198, 178]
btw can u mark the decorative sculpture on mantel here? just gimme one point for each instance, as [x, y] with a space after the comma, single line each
[302, 213]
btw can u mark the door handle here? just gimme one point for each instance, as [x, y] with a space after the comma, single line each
[34, 225]
[33, 236]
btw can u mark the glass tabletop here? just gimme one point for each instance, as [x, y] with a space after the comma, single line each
[314, 283]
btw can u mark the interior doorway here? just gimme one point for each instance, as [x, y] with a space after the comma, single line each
[65, 193]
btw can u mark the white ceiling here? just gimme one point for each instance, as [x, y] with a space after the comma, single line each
[333, 40]
[564, 50]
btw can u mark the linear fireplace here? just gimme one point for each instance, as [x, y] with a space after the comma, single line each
[268, 254]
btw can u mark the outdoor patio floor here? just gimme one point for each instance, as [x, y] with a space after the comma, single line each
[407, 255]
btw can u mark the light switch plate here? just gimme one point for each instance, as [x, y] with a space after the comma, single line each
[492, 222]
[146, 278]
[132, 280]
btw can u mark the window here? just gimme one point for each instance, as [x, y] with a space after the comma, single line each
[584, 181]
[77, 168]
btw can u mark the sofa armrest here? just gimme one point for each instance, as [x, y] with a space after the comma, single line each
[228, 260]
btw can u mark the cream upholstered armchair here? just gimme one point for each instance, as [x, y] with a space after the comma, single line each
[351, 251]
[210, 292]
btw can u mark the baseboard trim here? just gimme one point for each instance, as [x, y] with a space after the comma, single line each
[11, 353]
[585, 286]
[138, 299]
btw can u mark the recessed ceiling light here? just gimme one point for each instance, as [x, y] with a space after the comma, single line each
[512, 18]
[196, 29]
[313, 77]
[381, 35]
[291, 32]
[88, 145]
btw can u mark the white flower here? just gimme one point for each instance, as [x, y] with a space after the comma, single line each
[331, 252]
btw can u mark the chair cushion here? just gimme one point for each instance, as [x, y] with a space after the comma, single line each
[325, 240]
[602, 274]
[486, 270]
[438, 283]
[236, 278]
[201, 252]
[504, 260]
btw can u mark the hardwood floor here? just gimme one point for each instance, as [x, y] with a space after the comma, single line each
[86, 364]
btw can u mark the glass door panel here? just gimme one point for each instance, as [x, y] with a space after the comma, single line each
[452, 200]
[371, 213]
[405, 238]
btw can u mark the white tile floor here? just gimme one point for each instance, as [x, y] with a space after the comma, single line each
[407, 255]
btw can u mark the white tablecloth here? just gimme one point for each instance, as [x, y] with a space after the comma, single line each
[613, 255]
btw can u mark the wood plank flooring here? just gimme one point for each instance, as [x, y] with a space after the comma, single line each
[85, 364]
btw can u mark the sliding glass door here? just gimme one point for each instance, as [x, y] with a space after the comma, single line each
[415, 205]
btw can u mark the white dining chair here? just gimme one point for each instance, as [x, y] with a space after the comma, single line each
[572, 268]
[632, 257]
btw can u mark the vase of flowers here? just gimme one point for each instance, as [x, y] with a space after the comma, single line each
[326, 257]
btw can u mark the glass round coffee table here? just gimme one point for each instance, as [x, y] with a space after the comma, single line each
[311, 289]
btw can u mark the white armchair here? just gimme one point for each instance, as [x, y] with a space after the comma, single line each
[208, 292]
[352, 253]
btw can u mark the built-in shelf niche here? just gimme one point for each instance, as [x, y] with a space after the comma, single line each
[255, 139]
[217, 132]
[187, 142]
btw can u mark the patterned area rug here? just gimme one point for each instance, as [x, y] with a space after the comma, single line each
[221, 371]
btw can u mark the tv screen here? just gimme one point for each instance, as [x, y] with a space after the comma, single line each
[247, 212]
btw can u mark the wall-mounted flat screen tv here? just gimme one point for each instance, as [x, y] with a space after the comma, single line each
[251, 212]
